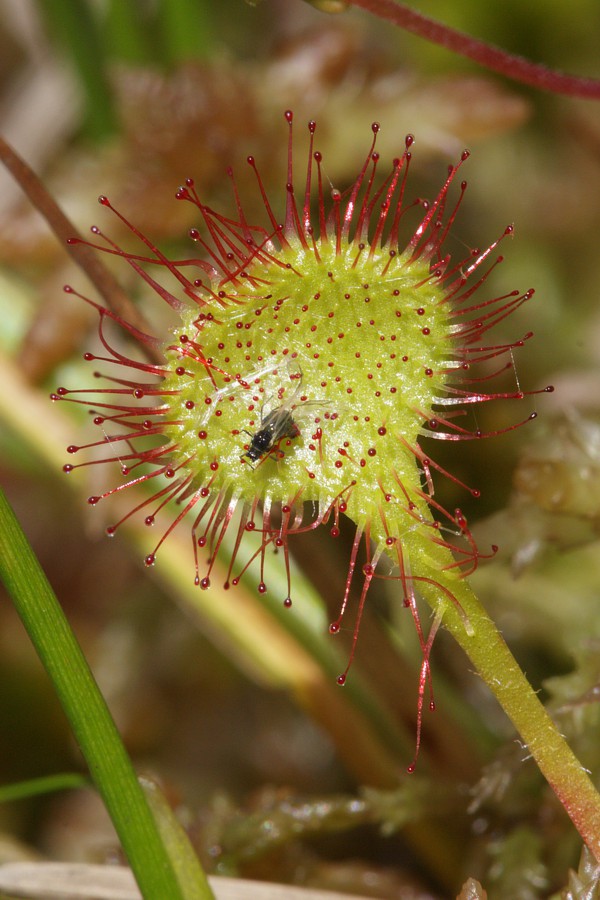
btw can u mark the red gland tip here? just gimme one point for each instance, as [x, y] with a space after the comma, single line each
[287, 602]
[334, 628]
[341, 679]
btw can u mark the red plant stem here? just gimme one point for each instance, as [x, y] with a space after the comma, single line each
[101, 277]
[494, 58]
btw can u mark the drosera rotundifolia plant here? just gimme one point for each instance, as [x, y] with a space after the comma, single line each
[314, 355]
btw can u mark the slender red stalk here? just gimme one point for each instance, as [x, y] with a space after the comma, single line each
[85, 257]
[491, 57]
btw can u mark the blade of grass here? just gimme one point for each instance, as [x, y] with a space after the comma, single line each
[48, 784]
[72, 24]
[92, 724]
[186, 30]
[125, 36]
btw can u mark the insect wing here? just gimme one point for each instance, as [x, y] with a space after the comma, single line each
[280, 423]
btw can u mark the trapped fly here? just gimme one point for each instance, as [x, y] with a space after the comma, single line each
[274, 427]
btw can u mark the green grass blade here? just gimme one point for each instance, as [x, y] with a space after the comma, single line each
[90, 719]
[73, 25]
[48, 784]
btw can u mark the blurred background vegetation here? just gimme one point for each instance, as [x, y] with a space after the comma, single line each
[229, 700]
